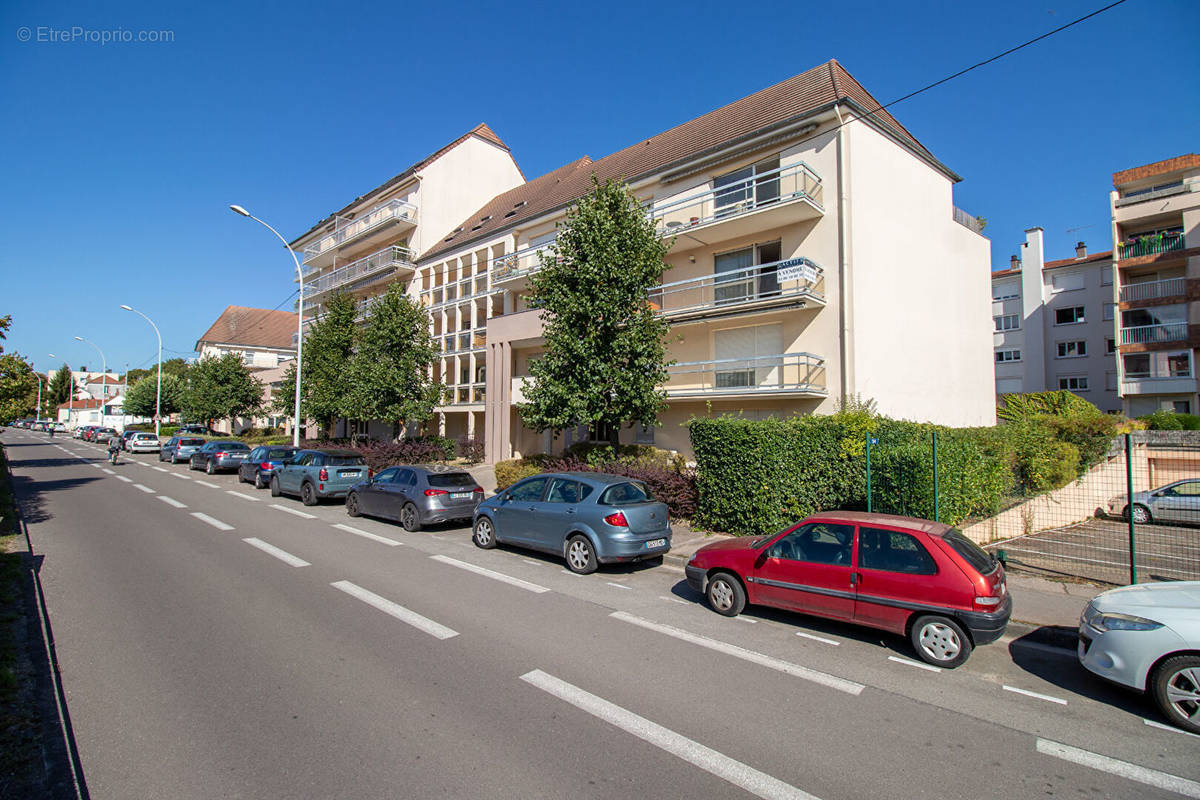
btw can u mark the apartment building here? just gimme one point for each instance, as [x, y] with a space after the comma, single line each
[262, 338]
[1054, 324]
[1156, 240]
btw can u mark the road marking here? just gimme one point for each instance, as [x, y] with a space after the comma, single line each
[141, 463]
[620, 586]
[487, 573]
[674, 600]
[97, 466]
[1028, 693]
[282, 555]
[928, 667]
[161, 469]
[1170, 728]
[535, 563]
[171, 501]
[293, 511]
[818, 638]
[145, 489]
[696, 754]
[181, 475]
[216, 523]
[740, 618]
[107, 471]
[123, 478]
[795, 670]
[243, 496]
[575, 574]
[395, 610]
[375, 537]
[1123, 769]
[209, 485]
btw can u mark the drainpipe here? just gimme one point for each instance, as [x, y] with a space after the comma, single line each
[844, 310]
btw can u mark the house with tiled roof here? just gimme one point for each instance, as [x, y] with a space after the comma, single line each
[262, 338]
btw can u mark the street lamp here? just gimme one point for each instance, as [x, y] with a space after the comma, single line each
[70, 393]
[158, 396]
[299, 317]
[38, 414]
[103, 376]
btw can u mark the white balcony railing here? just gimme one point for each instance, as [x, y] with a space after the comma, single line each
[762, 283]
[376, 264]
[787, 373]
[1150, 334]
[786, 184]
[1152, 290]
[349, 230]
[518, 264]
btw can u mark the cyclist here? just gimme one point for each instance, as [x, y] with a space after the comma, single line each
[114, 447]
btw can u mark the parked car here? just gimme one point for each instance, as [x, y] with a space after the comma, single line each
[1147, 637]
[143, 442]
[317, 474]
[180, 448]
[217, 455]
[80, 431]
[912, 577]
[416, 496]
[57, 427]
[196, 430]
[588, 518]
[102, 435]
[125, 437]
[260, 465]
[1175, 502]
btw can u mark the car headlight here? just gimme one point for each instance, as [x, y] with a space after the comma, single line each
[1122, 622]
[694, 557]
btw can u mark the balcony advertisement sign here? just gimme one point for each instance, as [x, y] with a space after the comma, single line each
[797, 269]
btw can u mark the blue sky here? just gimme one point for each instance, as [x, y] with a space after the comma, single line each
[120, 159]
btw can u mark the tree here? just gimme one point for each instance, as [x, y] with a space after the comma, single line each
[172, 366]
[18, 387]
[61, 386]
[605, 354]
[328, 350]
[390, 371]
[221, 388]
[141, 397]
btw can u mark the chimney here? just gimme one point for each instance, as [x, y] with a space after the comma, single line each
[1081, 250]
[1014, 263]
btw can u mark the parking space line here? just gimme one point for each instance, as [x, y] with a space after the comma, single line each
[786, 667]
[1170, 728]
[216, 523]
[181, 475]
[740, 618]
[715, 763]
[304, 514]
[926, 667]
[206, 483]
[243, 496]
[487, 573]
[1123, 769]
[620, 586]
[367, 535]
[161, 469]
[674, 599]
[818, 638]
[535, 563]
[1146, 553]
[145, 489]
[97, 466]
[272, 550]
[1038, 695]
[396, 610]
[171, 501]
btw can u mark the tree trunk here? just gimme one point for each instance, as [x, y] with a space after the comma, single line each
[614, 438]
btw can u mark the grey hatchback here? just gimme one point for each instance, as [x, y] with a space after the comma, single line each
[416, 496]
[180, 448]
[589, 518]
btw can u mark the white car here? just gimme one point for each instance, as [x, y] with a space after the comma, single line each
[143, 443]
[1147, 637]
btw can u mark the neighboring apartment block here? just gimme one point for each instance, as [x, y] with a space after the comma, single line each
[1054, 324]
[817, 255]
[1156, 236]
[263, 339]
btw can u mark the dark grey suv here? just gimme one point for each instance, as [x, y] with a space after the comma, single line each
[416, 496]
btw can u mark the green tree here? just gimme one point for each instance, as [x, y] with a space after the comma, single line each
[605, 357]
[221, 388]
[328, 351]
[60, 386]
[141, 397]
[18, 387]
[390, 371]
[173, 366]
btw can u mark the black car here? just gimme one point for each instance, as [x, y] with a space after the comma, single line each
[219, 455]
[260, 465]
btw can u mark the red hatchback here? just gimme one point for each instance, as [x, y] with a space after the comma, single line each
[917, 578]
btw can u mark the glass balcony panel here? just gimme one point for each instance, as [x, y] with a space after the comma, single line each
[347, 230]
[377, 264]
[739, 193]
[791, 278]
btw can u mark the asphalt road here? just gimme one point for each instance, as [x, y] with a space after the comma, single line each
[219, 643]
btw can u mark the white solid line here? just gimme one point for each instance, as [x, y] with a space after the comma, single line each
[107, 471]
[619, 585]
[243, 496]
[375, 537]
[674, 600]
[171, 501]
[398, 611]
[293, 511]
[535, 563]
[740, 618]
[216, 523]
[728, 769]
[161, 469]
[145, 489]
[818, 638]
[928, 667]
[123, 478]
[1028, 693]
[209, 485]
[282, 555]
[1123, 769]
[1170, 728]
[487, 573]
[795, 670]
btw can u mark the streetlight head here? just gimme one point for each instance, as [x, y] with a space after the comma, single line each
[127, 308]
[240, 210]
[52, 355]
[79, 338]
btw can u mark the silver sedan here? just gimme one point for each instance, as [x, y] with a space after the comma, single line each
[1175, 502]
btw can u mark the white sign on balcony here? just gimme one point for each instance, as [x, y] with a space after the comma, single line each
[796, 269]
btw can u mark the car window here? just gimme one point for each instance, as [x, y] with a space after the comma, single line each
[893, 551]
[258, 454]
[816, 543]
[1189, 489]
[192, 442]
[625, 493]
[404, 477]
[387, 476]
[275, 455]
[304, 459]
[980, 559]
[528, 491]
[564, 491]
[451, 480]
[344, 461]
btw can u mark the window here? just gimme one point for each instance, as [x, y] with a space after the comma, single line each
[737, 282]
[1110, 381]
[818, 543]
[564, 491]
[1106, 276]
[746, 188]
[1110, 311]
[1069, 315]
[452, 480]
[1003, 356]
[1182, 406]
[387, 476]
[1007, 322]
[893, 551]
[1073, 383]
[1076, 349]
[1110, 345]
[1067, 282]
[1006, 290]
[644, 434]
[620, 494]
[749, 346]
[529, 491]
[405, 477]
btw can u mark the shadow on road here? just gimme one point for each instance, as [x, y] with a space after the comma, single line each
[30, 495]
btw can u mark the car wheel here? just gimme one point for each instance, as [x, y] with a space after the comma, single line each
[940, 641]
[484, 535]
[258, 481]
[308, 495]
[1176, 689]
[352, 505]
[410, 518]
[725, 594]
[191, 463]
[1141, 514]
[241, 477]
[160, 457]
[275, 486]
[210, 469]
[581, 557]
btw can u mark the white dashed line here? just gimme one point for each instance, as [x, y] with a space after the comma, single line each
[123, 478]
[95, 466]
[171, 501]
[368, 535]
[740, 618]
[1133, 772]
[818, 638]
[619, 585]
[181, 475]
[161, 469]
[107, 471]
[401, 613]
[216, 523]
[243, 496]
[145, 489]
[487, 573]
[535, 563]
[674, 600]
[1028, 693]
[795, 670]
[927, 667]
[304, 514]
[694, 753]
[206, 483]
[282, 555]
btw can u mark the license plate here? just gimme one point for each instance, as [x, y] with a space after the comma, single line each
[238, 457]
[348, 473]
[650, 545]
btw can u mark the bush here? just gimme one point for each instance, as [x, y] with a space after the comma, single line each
[470, 449]
[1163, 420]
[596, 454]
[1014, 407]
[515, 469]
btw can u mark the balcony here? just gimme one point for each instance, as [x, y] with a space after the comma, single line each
[466, 394]
[800, 375]
[362, 229]
[1153, 290]
[763, 201]
[377, 265]
[459, 292]
[1158, 373]
[518, 264]
[790, 282]
[463, 342]
[1152, 245]
[1155, 334]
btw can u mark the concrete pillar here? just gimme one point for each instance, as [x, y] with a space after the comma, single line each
[1034, 322]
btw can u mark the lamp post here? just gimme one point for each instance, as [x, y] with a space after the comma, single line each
[70, 395]
[37, 415]
[299, 317]
[158, 395]
[103, 376]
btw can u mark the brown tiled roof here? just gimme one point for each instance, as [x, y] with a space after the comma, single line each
[1091, 259]
[103, 379]
[252, 327]
[1004, 273]
[774, 107]
[84, 405]
[1190, 161]
[481, 130]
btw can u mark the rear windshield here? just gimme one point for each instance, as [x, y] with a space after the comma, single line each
[344, 461]
[144, 436]
[279, 454]
[447, 480]
[972, 553]
[230, 445]
[191, 442]
[620, 494]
